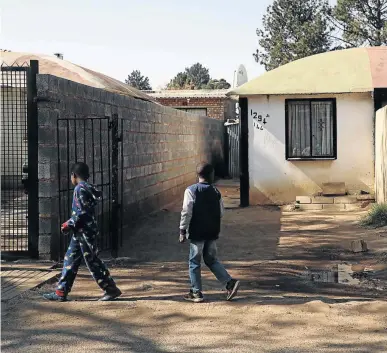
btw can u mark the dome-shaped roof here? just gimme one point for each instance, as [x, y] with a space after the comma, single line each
[342, 71]
[69, 71]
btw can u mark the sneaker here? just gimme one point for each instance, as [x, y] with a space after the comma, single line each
[111, 295]
[232, 288]
[55, 297]
[194, 297]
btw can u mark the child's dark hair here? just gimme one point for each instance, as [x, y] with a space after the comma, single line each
[81, 170]
[205, 171]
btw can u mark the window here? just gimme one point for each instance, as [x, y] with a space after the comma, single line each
[196, 111]
[311, 129]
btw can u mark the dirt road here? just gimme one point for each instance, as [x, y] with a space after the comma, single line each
[278, 310]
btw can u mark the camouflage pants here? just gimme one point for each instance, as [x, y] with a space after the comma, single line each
[81, 246]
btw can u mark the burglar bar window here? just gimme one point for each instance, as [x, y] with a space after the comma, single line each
[311, 129]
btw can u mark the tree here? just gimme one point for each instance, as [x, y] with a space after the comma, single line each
[180, 81]
[196, 77]
[361, 22]
[293, 29]
[217, 84]
[136, 80]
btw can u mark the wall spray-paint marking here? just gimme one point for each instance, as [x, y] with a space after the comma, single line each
[258, 120]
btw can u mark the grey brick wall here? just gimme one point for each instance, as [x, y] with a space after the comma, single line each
[159, 151]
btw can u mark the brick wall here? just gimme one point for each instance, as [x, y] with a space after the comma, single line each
[216, 107]
[157, 155]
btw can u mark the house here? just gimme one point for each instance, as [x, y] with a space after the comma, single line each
[211, 103]
[311, 122]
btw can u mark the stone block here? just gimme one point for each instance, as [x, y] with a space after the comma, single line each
[47, 153]
[44, 225]
[365, 197]
[310, 207]
[359, 246]
[44, 244]
[44, 171]
[345, 199]
[334, 207]
[322, 200]
[303, 199]
[335, 188]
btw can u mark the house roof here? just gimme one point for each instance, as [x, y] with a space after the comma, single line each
[342, 71]
[67, 70]
[197, 93]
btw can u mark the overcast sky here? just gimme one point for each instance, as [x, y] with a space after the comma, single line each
[157, 37]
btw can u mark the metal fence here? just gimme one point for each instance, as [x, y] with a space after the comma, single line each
[233, 132]
[88, 141]
[19, 202]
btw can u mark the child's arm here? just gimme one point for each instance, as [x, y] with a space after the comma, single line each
[80, 215]
[186, 213]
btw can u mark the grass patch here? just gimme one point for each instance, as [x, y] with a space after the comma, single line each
[376, 216]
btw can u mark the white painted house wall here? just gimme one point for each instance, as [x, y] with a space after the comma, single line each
[274, 180]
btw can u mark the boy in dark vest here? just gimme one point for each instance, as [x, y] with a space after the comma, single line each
[82, 245]
[200, 223]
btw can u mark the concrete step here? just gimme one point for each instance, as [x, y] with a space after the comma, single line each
[334, 203]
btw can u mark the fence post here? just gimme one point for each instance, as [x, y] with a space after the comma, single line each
[115, 204]
[244, 153]
[32, 137]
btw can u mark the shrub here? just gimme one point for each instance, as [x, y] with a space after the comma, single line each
[376, 216]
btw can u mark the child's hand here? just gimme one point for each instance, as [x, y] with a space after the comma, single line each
[65, 227]
[182, 238]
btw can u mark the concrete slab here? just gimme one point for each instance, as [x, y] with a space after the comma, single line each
[336, 188]
[19, 278]
[334, 207]
[345, 199]
[322, 199]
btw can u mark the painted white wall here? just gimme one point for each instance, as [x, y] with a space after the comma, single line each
[274, 180]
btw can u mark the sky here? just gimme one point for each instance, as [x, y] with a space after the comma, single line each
[157, 37]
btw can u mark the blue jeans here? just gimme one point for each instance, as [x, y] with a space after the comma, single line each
[208, 250]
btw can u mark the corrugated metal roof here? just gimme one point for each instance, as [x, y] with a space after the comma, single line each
[67, 70]
[342, 71]
[197, 93]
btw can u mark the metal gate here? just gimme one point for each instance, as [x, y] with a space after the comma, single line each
[89, 141]
[233, 132]
[19, 160]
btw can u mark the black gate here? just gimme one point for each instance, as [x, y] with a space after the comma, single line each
[233, 133]
[19, 160]
[88, 141]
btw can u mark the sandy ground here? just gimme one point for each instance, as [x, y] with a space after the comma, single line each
[278, 309]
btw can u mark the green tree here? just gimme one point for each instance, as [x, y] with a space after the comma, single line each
[136, 80]
[180, 81]
[217, 84]
[293, 29]
[196, 77]
[361, 22]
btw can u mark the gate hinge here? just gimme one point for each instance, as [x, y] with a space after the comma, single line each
[46, 99]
